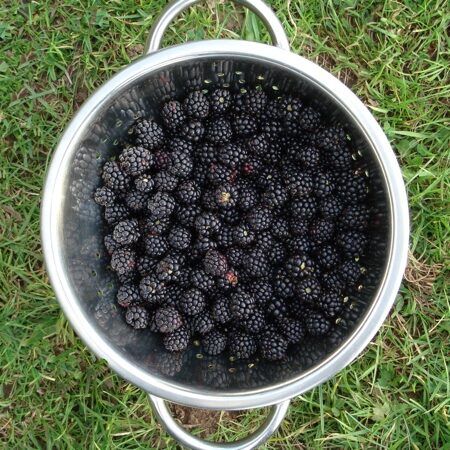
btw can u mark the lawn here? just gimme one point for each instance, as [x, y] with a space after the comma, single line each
[393, 54]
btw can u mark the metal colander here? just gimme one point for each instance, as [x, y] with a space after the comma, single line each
[72, 228]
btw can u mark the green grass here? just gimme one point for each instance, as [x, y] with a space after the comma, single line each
[393, 54]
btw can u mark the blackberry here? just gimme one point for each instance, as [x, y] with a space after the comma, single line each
[128, 294]
[203, 323]
[168, 269]
[123, 260]
[193, 130]
[340, 158]
[206, 154]
[229, 216]
[300, 309]
[299, 183]
[276, 254]
[221, 310]
[267, 176]
[207, 223]
[349, 271]
[220, 174]
[255, 323]
[153, 226]
[283, 285]
[226, 196]
[155, 245]
[293, 330]
[298, 227]
[236, 256]
[328, 257]
[179, 238]
[145, 265]
[300, 266]
[242, 304]
[104, 196]
[252, 167]
[308, 289]
[280, 228]
[244, 125]
[186, 215]
[317, 324]
[352, 188]
[168, 319]
[209, 201]
[273, 108]
[323, 184]
[273, 346]
[214, 343]
[161, 159]
[182, 164]
[238, 106]
[110, 244]
[114, 178]
[173, 115]
[152, 289]
[241, 345]
[275, 196]
[177, 340]
[331, 304]
[224, 237]
[188, 192]
[192, 302]
[352, 243]
[331, 138]
[178, 144]
[255, 102]
[196, 105]
[219, 131]
[161, 205]
[290, 107]
[260, 218]
[300, 245]
[202, 281]
[332, 281]
[242, 235]
[330, 207]
[203, 244]
[136, 200]
[232, 155]
[165, 181]
[127, 277]
[137, 316]
[135, 160]
[148, 134]
[272, 129]
[248, 197]
[309, 119]
[278, 308]
[355, 217]
[126, 232]
[264, 240]
[220, 101]
[321, 230]
[258, 144]
[303, 208]
[256, 263]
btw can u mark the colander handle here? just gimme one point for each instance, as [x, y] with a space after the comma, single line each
[259, 7]
[275, 417]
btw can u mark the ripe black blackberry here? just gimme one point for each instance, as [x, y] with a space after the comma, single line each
[169, 268]
[299, 183]
[308, 289]
[196, 105]
[331, 138]
[300, 266]
[232, 155]
[153, 226]
[186, 215]
[219, 131]
[350, 271]
[328, 257]
[276, 254]
[242, 235]
[104, 196]
[204, 244]
[256, 263]
[236, 256]
[323, 184]
[255, 102]
[152, 289]
[278, 308]
[177, 340]
[220, 311]
[126, 232]
[110, 244]
[258, 144]
[168, 319]
[352, 188]
[290, 107]
[330, 207]
[330, 303]
[220, 174]
[207, 223]
[273, 346]
[321, 231]
[135, 160]
[165, 181]
[248, 197]
[309, 119]
[208, 200]
[128, 294]
[161, 205]
[264, 240]
[214, 343]
[260, 218]
[137, 316]
[332, 281]
[114, 178]
[226, 196]
[182, 164]
[300, 245]
[161, 159]
[355, 217]
[268, 175]
[317, 324]
[206, 153]
[276, 195]
[123, 260]
[193, 130]
[242, 304]
[202, 281]
[224, 236]
[339, 158]
[273, 107]
[283, 285]
[173, 114]
[192, 302]
[136, 200]
[244, 125]
[148, 134]
[352, 242]
[155, 245]
[179, 238]
[188, 192]
[220, 101]
[272, 129]
[127, 277]
[241, 345]
[303, 208]
[146, 265]
[255, 323]
[178, 144]
[292, 329]
[203, 323]
[280, 228]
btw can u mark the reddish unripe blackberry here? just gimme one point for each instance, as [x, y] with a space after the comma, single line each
[123, 260]
[137, 316]
[273, 346]
[241, 345]
[177, 340]
[214, 342]
[148, 134]
[135, 160]
[126, 232]
[196, 105]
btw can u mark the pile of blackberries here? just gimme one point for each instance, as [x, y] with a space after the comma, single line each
[237, 220]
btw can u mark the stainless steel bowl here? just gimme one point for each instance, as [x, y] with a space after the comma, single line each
[75, 258]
